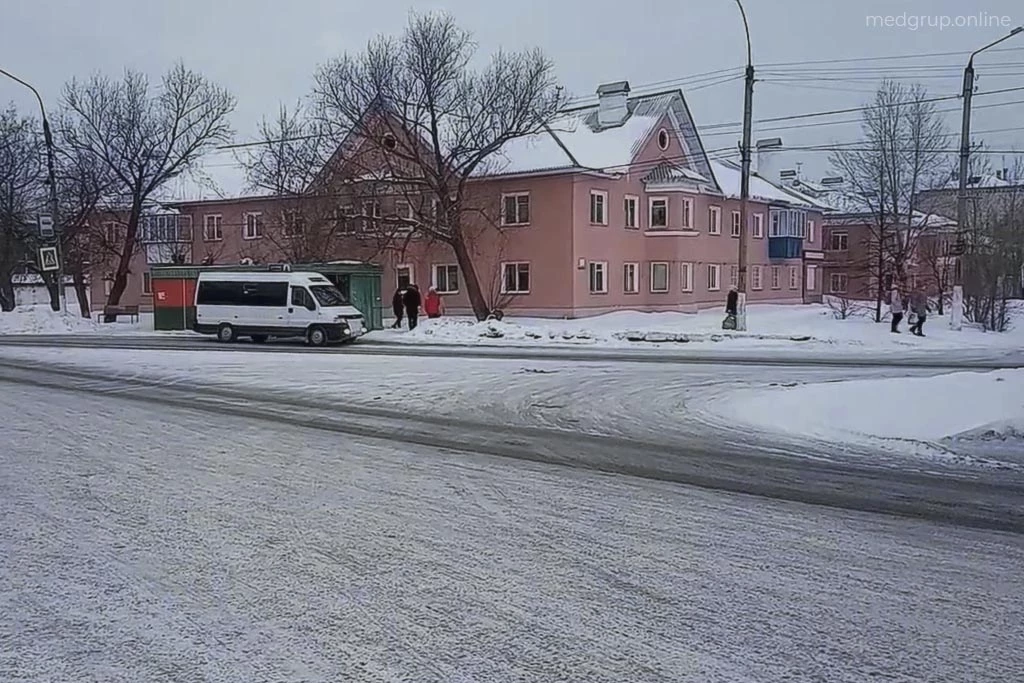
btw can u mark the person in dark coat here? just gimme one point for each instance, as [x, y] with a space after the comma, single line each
[398, 306]
[731, 306]
[412, 301]
[919, 305]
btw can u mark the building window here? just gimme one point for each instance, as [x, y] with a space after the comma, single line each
[714, 277]
[629, 208]
[714, 220]
[810, 230]
[686, 276]
[515, 209]
[294, 224]
[404, 214]
[515, 278]
[147, 283]
[839, 241]
[598, 207]
[630, 285]
[663, 139]
[658, 212]
[812, 278]
[755, 277]
[253, 226]
[403, 275]
[212, 228]
[758, 225]
[838, 283]
[788, 223]
[734, 231]
[687, 213]
[598, 277]
[776, 277]
[659, 277]
[371, 214]
[446, 279]
[734, 276]
[794, 277]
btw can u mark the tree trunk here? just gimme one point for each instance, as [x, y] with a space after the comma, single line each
[469, 276]
[82, 293]
[53, 289]
[942, 294]
[124, 263]
[8, 300]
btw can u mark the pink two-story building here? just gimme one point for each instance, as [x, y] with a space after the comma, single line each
[614, 206]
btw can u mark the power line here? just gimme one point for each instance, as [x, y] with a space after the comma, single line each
[885, 58]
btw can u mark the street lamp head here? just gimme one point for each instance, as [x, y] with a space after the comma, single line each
[1016, 30]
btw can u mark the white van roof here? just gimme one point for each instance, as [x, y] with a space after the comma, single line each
[266, 276]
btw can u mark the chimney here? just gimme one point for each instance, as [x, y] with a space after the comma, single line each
[831, 181]
[612, 108]
[788, 177]
[766, 158]
[999, 174]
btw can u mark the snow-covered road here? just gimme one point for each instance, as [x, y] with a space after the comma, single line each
[144, 542]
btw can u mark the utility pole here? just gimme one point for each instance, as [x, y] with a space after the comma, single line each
[748, 106]
[956, 314]
[51, 179]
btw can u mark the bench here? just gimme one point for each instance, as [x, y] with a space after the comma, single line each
[110, 313]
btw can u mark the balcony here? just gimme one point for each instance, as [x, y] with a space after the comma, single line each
[165, 228]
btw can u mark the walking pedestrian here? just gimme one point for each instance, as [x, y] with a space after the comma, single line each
[433, 306]
[398, 307]
[919, 305]
[731, 304]
[412, 301]
[896, 308]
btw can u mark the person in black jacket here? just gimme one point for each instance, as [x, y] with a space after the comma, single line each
[398, 306]
[731, 307]
[412, 301]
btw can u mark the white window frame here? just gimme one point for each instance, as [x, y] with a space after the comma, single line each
[147, 283]
[832, 240]
[218, 227]
[832, 289]
[373, 214]
[810, 229]
[628, 201]
[687, 219]
[686, 276]
[668, 278]
[591, 270]
[504, 280]
[434, 269]
[757, 225]
[756, 278]
[735, 226]
[651, 201]
[634, 269]
[518, 218]
[734, 276]
[408, 267]
[257, 233]
[715, 282]
[714, 220]
[288, 222]
[776, 276]
[599, 200]
[811, 278]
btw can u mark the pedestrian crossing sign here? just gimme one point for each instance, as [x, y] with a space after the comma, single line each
[48, 259]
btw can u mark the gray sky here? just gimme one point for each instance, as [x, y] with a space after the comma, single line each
[265, 51]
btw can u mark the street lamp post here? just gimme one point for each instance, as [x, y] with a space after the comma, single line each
[51, 178]
[956, 316]
[748, 97]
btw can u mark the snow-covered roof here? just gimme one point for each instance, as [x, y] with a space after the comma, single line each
[669, 173]
[728, 175]
[985, 180]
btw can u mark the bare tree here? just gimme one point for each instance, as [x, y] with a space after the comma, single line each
[425, 124]
[901, 155]
[143, 139]
[21, 176]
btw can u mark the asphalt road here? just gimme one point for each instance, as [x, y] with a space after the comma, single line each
[662, 353]
[745, 464]
[161, 533]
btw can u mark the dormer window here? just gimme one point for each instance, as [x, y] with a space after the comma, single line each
[663, 139]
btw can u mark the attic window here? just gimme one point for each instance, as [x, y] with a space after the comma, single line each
[663, 139]
[389, 141]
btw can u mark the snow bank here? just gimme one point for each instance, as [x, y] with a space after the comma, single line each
[905, 412]
[769, 325]
[43, 320]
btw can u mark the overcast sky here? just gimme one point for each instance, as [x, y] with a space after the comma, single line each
[265, 51]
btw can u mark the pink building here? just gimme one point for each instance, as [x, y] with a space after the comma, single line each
[615, 206]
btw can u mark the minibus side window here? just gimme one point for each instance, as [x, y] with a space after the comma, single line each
[300, 297]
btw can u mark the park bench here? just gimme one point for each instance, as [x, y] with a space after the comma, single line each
[111, 312]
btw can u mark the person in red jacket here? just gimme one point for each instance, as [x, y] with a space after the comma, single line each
[432, 304]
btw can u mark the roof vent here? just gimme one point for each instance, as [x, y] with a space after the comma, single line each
[612, 107]
[788, 174]
[832, 180]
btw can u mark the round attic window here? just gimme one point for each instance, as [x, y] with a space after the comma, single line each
[663, 139]
[389, 141]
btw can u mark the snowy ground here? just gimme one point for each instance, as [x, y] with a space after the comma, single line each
[155, 544]
[769, 327]
[41, 319]
[793, 409]
[920, 415]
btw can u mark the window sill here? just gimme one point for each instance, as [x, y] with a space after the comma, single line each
[662, 232]
[659, 291]
[600, 293]
[515, 293]
[715, 234]
[218, 239]
[515, 225]
[631, 227]
[631, 293]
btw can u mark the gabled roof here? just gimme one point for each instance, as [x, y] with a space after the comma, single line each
[728, 174]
